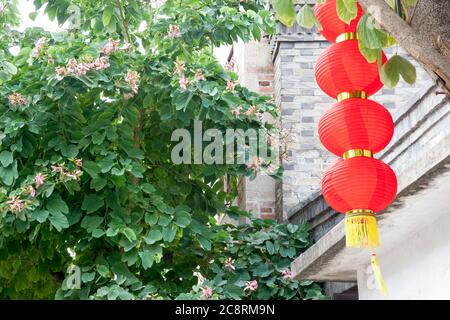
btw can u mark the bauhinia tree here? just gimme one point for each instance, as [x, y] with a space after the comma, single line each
[91, 204]
[421, 27]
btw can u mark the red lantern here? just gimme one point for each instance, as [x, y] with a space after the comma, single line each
[359, 183]
[342, 68]
[356, 124]
[332, 25]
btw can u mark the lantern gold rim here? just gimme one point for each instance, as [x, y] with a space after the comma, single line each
[347, 36]
[360, 212]
[351, 94]
[357, 153]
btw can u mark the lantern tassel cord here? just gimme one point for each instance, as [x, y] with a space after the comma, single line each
[378, 276]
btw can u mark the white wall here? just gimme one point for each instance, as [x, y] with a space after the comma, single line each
[419, 268]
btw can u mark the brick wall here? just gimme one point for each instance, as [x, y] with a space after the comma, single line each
[255, 69]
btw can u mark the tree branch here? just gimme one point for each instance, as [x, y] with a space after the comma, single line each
[124, 22]
[419, 47]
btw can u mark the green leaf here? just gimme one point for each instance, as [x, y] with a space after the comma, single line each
[285, 11]
[371, 55]
[91, 223]
[292, 228]
[270, 248]
[169, 233]
[56, 204]
[347, 10]
[370, 35]
[147, 259]
[9, 67]
[98, 183]
[40, 215]
[395, 67]
[107, 14]
[182, 100]
[129, 233]
[92, 203]
[182, 218]
[154, 236]
[148, 188]
[9, 174]
[6, 158]
[106, 163]
[91, 168]
[307, 19]
[58, 220]
[69, 151]
[205, 243]
[112, 26]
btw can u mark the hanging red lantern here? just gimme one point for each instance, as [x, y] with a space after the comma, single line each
[332, 25]
[360, 186]
[354, 128]
[356, 124]
[359, 183]
[342, 69]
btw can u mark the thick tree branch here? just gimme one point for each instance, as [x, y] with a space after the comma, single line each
[418, 46]
[124, 21]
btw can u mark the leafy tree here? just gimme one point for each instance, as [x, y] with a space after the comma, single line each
[85, 156]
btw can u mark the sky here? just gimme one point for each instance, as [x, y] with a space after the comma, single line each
[25, 8]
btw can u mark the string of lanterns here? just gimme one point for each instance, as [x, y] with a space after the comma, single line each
[354, 129]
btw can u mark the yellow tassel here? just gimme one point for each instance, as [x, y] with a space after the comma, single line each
[378, 276]
[361, 229]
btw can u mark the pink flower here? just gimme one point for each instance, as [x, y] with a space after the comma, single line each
[78, 162]
[132, 78]
[251, 285]
[101, 63]
[207, 292]
[229, 264]
[236, 111]
[254, 164]
[40, 44]
[174, 31]
[39, 180]
[230, 65]
[72, 65]
[126, 46]
[199, 75]
[160, 3]
[31, 191]
[271, 169]
[287, 275]
[58, 169]
[180, 67]
[183, 83]
[251, 111]
[231, 85]
[82, 69]
[110, 47]
[16, 205]
[61, 72]
[16, 99]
